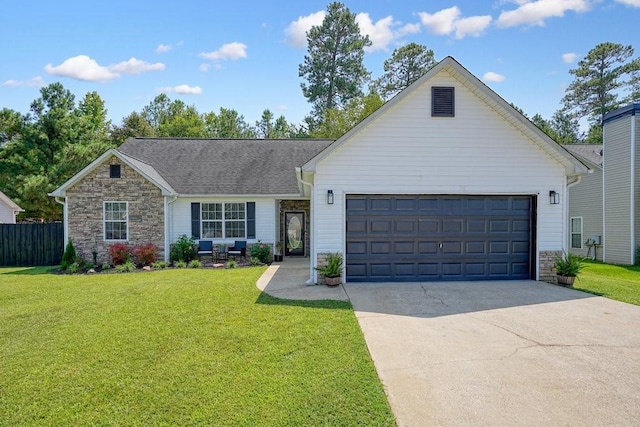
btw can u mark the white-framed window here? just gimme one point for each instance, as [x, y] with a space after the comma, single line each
[218, 220]
[211, 217]
[116, 220]
[576, 232]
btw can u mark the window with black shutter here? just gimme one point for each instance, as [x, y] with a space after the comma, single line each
[442, 101]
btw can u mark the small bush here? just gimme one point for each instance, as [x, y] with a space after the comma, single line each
[73, 268]
[145, 254]
[180, 264]
[184, 249]
[159, 264]
[261, 251]
[231, 264]
[69, 256]
[106, 266]
[195, 264]
[126, 267]
[256, 261]
[120, 253]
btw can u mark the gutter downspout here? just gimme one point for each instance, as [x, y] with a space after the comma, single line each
[632, 201]
[312, 247]
[65, 219]
[167, 226]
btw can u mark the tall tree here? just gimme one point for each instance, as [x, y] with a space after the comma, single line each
[333, 66]
[598, 81]
[406, 65]
[228, 123]
[157, 110]
[264, 127]
[634, 88]
[132, 125]
[338, 122]
[566, 127]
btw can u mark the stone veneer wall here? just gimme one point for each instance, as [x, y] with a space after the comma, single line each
[297, 206]
[547, 271]
[85, 210]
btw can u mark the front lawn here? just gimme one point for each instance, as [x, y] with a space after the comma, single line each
[178, 347]
[617, 282]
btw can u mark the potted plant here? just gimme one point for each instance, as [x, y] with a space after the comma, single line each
[567, 268]
[332, 269]
[277, 254]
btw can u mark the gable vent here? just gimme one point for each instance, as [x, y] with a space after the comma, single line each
[442, 101]
[114, 171]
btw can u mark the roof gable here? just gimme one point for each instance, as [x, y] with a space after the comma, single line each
[572, 165]
[7, 201]
[591, 153]
[146, 170]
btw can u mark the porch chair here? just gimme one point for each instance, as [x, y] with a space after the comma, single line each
[205, 247]
[239, 248]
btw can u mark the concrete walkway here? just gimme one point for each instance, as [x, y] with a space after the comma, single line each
[517, 353]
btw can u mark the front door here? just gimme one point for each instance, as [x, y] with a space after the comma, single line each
[294, 223]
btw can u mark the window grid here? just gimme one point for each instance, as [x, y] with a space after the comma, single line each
[234, 224]
[116, 222]
[223, 219]
[576, 233]
[211, 216]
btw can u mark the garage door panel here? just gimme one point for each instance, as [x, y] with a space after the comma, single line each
[409, 238]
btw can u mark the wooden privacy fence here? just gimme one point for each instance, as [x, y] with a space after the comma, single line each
[31, 244]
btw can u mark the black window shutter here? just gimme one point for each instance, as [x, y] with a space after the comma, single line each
[442, 101]
[251, 220]
[195, 220]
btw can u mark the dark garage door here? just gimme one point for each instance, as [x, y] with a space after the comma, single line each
[399, 238]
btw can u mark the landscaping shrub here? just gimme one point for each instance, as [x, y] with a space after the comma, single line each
[261, 251]
[145, 254]
[159, 264]
[195, 264]
[120, 253]
[126, 267]
[180, 264]
[184, 249]
[231, 264]
[69, 256]
[255, 261]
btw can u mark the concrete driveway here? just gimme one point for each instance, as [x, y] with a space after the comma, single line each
[502, 353]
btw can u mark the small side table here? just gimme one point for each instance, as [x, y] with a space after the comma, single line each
[220, 254]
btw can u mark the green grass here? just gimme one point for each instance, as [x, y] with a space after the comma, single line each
[178, 347]
[617, 282]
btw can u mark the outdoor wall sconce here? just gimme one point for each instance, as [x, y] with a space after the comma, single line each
[329, 197]
[554, 198]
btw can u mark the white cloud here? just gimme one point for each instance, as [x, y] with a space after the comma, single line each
[82, 67]
[536, 12]
[569, 58]
[473, 26]
[34, 82]
[440, 23]
[632, 3]
[296, 31]
[204, 67]
[493, 77]
[232, 51]
[408, 29]
[379, 33]
[135, 66]
[181, 89]
[162, 48]
[448, 21]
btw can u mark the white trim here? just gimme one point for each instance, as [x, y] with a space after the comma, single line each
[604, 200]
[104, 221]
[632, 195]
[571, 232]
[224, 220]
[14, 207]
[65, 220]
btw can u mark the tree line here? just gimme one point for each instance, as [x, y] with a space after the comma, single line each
[56, 138]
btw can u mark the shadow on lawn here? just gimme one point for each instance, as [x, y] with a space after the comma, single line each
[28, 271]
[267, 299]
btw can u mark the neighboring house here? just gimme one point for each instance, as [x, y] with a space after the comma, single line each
[8, 210]
[446, 181]
[585, 204]
[621, 166]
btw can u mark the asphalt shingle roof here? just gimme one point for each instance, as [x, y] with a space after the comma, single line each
[225, 166]
[590, 152]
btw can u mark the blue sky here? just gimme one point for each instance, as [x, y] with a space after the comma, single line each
[245, 54]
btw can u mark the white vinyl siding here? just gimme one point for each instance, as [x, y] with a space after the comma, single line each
[585, 200]
[180, 217]
[7, 215]
[406, 151]
[617, 191]
[116, 221]
[575, 233]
